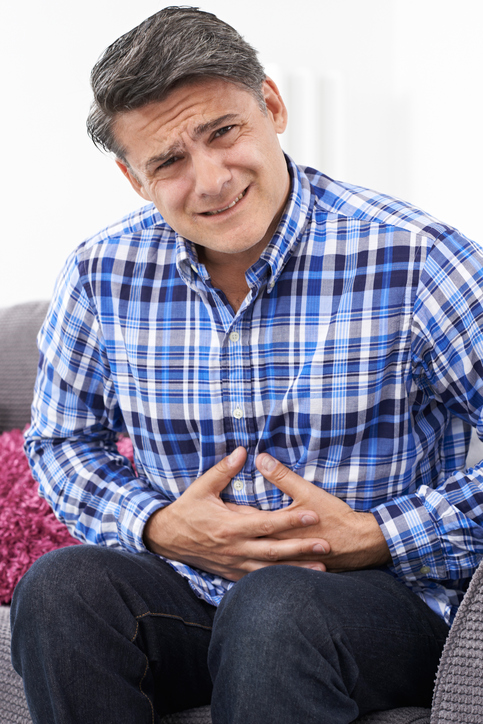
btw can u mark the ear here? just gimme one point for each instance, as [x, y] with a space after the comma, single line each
[133, 180]
[275, 106]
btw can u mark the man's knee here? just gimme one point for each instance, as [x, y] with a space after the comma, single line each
[267, 603]
[59, 574]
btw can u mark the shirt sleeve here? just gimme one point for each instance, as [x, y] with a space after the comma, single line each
[71, 443]
[437, 532]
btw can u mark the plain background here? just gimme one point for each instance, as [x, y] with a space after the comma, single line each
[392, 94]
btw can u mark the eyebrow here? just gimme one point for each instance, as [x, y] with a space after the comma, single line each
[199, 131]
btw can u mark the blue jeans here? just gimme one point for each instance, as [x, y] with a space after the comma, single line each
[103, 636]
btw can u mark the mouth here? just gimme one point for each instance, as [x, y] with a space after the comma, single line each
[225, 208]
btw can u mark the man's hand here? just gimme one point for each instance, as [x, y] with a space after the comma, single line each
[200, 530]
[356, 540]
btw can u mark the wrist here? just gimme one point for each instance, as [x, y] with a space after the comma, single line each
[374, 548]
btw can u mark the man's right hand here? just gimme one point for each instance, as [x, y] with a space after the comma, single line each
[200, 530]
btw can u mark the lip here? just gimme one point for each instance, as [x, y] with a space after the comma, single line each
[224, 210]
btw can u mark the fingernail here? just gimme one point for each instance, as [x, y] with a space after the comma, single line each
[308, 520]
[318, 548]
[267, 463]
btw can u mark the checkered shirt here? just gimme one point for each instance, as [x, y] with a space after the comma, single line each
[355, 360]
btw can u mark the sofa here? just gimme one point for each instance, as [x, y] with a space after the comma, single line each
[458, 693]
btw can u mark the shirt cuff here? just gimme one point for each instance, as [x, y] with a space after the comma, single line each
[136, 507]
[412, 538]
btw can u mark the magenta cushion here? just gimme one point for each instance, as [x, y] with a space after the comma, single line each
[28, 527]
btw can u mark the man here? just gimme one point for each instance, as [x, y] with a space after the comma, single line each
[298, 363]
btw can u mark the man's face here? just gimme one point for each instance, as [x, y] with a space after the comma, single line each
[209, 159]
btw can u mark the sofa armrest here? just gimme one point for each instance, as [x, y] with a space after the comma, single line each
[458, 694]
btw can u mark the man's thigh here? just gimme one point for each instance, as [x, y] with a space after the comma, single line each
[323, 645]
[130, 616]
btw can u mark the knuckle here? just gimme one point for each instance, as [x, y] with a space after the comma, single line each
[280, 472]
[221, 466]
[268, 526]
[224, 533]
[272, 554]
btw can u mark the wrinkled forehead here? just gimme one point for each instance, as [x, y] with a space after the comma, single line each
[187, 113]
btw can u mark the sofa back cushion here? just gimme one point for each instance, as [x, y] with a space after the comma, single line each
[19, 325]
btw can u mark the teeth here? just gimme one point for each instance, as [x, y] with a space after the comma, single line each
[218, 211]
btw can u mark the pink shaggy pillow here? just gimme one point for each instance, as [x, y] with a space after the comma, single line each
[28, 527]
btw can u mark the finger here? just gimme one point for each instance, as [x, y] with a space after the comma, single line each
[286, 480]
[275, 550]
[266, 524]
[310, 565]
[242, 509]
[249, 566]
[217, 478]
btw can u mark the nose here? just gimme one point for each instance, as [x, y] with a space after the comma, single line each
[210, 173]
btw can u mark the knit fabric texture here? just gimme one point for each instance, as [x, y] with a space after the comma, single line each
[19, 325]
[13, 706]
[407, 715]
[458, 693]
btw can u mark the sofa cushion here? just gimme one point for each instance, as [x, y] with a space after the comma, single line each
[19, 325]
[407, 715]
[13, 706]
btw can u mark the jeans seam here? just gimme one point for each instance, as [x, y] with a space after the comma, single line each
[163, 615]
[143, 692]
[173, 616]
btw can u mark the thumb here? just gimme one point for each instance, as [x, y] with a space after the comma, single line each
[217, 478]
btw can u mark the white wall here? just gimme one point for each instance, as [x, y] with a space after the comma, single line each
[401, 79]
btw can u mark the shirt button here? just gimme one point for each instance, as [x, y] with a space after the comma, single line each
[425, 570]
[238, 413]
[238, 485]
[234, 336]
[194, 268]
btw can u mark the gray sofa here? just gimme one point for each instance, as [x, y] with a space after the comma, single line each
[458, 695]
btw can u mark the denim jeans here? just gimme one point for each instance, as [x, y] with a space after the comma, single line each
[101, 636]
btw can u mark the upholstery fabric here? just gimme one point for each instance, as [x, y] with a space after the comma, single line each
[18, 361]
[458, 694]
[13, 707]
[406, 715]
[396, 716]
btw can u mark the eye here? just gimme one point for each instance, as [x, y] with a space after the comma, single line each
[222, 131]
[167, 163]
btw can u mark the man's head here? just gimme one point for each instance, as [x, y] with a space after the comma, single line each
[175, 46]
[185, 105]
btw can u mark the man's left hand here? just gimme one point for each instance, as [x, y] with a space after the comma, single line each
[355, 538]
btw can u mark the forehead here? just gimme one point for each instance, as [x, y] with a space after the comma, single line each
[186, 113]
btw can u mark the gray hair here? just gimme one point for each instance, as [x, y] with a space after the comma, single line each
[175, 46]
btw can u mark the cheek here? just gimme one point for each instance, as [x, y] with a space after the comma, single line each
[169, 199]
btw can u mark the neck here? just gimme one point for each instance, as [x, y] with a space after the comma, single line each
[227, 271]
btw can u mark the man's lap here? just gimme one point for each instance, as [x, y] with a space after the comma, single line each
[390, 632]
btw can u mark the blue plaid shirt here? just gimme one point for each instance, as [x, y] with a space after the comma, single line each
[355, 359]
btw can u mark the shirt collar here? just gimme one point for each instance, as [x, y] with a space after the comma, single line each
[274, 257]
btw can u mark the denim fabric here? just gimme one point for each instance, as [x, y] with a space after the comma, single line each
[104, 636]
[295, 646]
